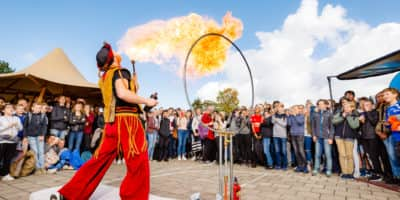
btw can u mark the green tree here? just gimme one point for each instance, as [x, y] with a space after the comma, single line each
[227, 100]
[5, 68]
[197, 103]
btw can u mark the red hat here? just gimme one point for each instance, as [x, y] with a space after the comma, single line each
[105, 56]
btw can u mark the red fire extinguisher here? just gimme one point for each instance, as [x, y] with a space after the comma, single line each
[236, 189]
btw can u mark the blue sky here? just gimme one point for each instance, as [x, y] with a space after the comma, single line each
[30, 29]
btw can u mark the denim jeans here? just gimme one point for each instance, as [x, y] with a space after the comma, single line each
[59, 165]
[182, 140]
[298, 147]
[394, 162]
[151, 140]
[323, 145]
[267, 151]
[307, 148]
[280, 152]
[37, 146]
[59, 133]
[75, 137]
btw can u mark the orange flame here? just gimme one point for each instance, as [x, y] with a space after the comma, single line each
[166, 41]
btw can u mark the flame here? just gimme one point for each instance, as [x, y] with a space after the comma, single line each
[162, 42]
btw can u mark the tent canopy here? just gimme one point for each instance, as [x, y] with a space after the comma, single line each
[384, 65]
[54, 72]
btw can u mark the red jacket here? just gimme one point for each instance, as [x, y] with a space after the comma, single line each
[89, 124]
[206, 119]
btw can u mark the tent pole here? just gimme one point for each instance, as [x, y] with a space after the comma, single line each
[41, 95]
[330, 89]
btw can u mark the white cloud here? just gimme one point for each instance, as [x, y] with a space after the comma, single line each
[285, 68]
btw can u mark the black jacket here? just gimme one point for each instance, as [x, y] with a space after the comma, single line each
[267, 128]
[164, 127]
[368, 127]
[100, 121]
[59, 117]
[35, 125]
[77, 123]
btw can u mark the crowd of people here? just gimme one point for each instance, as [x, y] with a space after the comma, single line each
[355, 137]
[39, 138]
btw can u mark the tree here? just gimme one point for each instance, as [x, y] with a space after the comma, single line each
[227, 100]
[5, 68]
[197, 103]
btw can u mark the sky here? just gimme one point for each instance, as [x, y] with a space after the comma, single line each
[291, 45]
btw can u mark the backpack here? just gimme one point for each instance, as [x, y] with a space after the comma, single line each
[23, 165]
[85, 156]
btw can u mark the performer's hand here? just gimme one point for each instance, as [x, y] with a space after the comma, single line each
[151, 102]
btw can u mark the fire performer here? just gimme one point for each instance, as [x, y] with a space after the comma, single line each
[123, 132]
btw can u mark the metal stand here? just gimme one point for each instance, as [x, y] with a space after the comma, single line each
[225, 166]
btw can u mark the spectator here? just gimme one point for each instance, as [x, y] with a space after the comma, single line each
[347, 123]
[308, 133]
[174, 133]
[280, 137]
[322, 129]
[382, 131]
[165, 132]
[9, 127]
[392, 142]
[234, 126]
[88, 129]
[20, 113]
[209, 141]
[151, 133]
[296, 123]
[182, 123]
[266, 129]
[2, 104]
[59, 119]
[196, 142]
[24, 103]
[256, 120]
[77, 122]
[244, 137]
[35, 127]
[370, 142]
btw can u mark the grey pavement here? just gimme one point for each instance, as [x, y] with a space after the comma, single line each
[180, 179]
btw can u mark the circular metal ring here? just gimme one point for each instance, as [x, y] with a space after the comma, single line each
[185, 70]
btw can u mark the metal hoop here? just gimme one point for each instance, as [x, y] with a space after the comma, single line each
[185, 70]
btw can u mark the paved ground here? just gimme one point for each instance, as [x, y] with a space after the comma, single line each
[180, 179]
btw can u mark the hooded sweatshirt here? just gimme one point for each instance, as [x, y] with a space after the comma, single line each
[280, 125]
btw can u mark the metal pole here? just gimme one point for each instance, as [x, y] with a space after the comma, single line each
[330, 90]
[220, 165]
[231, 166]
[226, 169]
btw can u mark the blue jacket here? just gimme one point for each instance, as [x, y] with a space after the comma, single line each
[296, 123]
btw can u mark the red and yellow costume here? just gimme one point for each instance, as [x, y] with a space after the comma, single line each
[123, 131]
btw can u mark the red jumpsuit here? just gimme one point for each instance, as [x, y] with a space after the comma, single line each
[125, 133]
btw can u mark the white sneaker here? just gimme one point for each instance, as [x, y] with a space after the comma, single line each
[8, 178]
[52, 171]
[119, 162]
[123, 160]
[184, 158]
[179, 158]
[194, 158]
